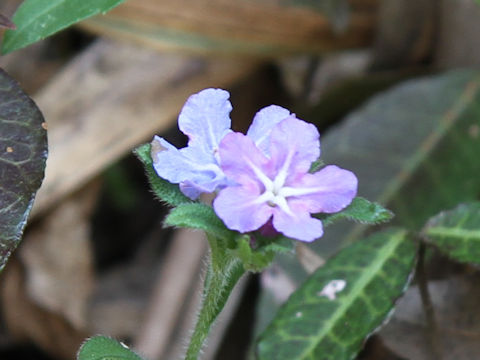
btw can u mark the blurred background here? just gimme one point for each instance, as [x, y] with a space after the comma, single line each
[95, 257]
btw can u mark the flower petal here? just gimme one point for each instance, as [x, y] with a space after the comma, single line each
[294, 145]
[205, 118]
[190, 166]
[237, 207]
[298, 224]
[328, 191]
[263, 123]
[242, 161]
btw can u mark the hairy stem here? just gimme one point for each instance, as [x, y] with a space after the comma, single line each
[219, 283]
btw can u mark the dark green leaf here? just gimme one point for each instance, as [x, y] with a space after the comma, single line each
[457, 232]
[311, 325]
[37, 19]
[199, 216]
[360, 210]
[414, 149]
[23, 152]
[104, 348]
[164, 190]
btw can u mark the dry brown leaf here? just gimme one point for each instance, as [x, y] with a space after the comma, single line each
[458, 41]
[110, 99]
[406, 33]
[456, 305]
[57, 256]
[262, 28]
[27, 321]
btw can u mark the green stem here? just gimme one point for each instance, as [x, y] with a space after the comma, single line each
[219, 283]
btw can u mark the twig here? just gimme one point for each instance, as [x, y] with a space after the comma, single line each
[432, 328]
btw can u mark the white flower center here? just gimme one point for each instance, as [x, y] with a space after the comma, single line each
[275, 193]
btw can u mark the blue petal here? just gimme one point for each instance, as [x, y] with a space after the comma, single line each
[205, 119]
[263, 123]
[193, 168]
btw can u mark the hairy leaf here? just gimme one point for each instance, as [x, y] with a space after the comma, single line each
[252, 260]
[23, 152]
[456, 233]
[199, 216]
[105, 348]
[343, 302]
[37, 19]
[360, 210]
[165, 191]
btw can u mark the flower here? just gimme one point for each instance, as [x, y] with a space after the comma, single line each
[271, 180]
[205, 119]
[262, 177]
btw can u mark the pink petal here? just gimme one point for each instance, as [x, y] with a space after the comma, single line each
[298, 225]
[263, 123]
[239, 157]
[332, 189]
[296, 143]
[238, 209]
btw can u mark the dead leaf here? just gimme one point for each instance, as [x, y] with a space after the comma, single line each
[406, 33]
[458, 43]
[26, 321]
[6, 22]
[58, 261]
[455, 303]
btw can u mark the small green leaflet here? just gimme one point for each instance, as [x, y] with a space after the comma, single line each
[23, 153]
[456, 233]
[105, 348]
[37, 19]
[164, 190]
[199, 216]
[323, 320]
[360, 210]
[254, 261]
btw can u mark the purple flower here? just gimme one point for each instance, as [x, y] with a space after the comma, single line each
[270, 168]
[205, 119]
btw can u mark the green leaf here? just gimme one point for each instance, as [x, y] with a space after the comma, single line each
[414, 149]
[456, 233]
[105, 348]
[281, 244]
[23, 152]
[199, 216]
[252, 260]
[165, 191]
[375, 272]
[37, 19]
[360, 210]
